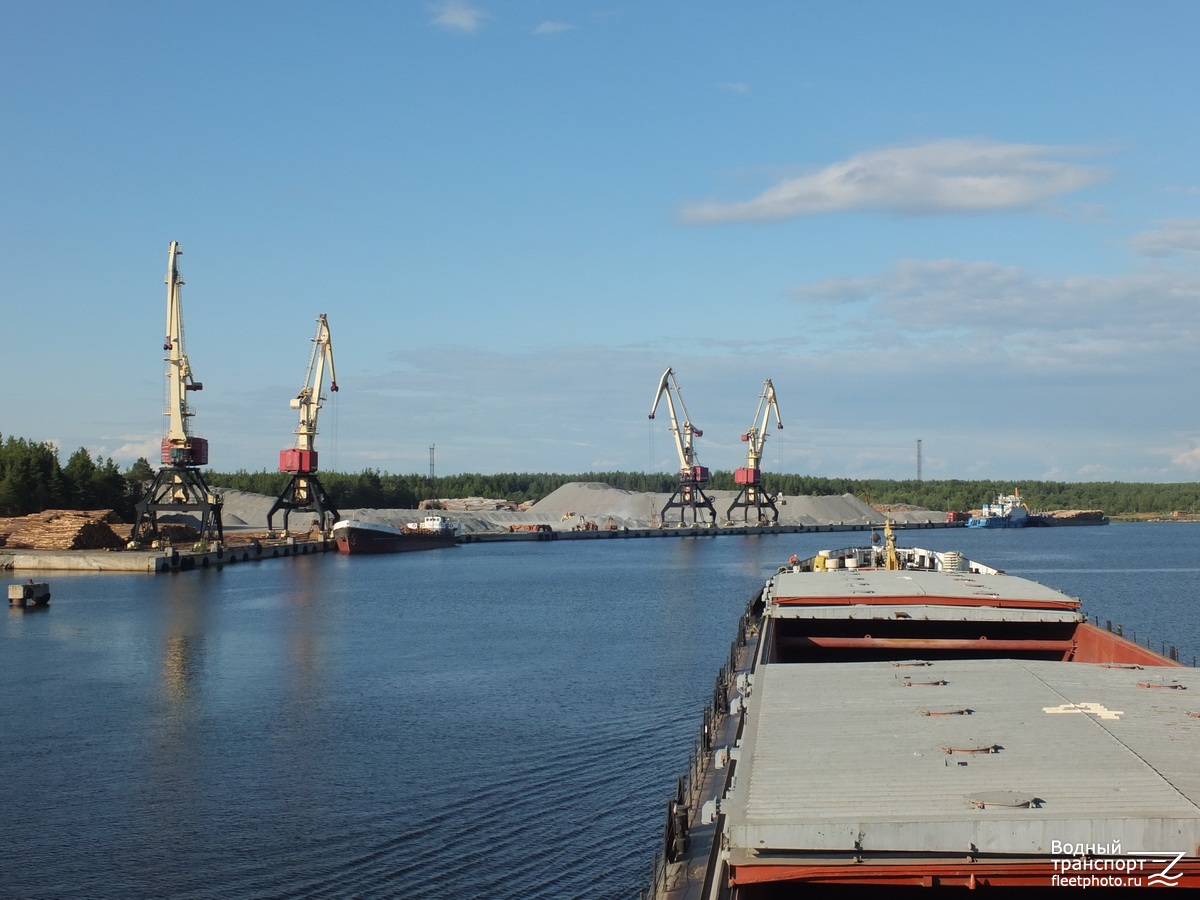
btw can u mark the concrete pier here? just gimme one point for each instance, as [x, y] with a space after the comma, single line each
[156, 561]
[685, 531]
[179, 560]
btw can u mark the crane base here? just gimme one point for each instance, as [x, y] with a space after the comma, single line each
[689, 496]
[178, 490]
[753, 497]
[304, 492]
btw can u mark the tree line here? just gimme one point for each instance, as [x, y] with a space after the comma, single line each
[1115, 498]
[32, 479]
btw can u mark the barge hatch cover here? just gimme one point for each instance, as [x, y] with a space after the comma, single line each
[845, 758]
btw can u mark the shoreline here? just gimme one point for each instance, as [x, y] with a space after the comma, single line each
[178, 560]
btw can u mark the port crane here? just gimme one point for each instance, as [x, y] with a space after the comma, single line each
[304, 490]
[689, 494]
[750, 494]
[179, 485]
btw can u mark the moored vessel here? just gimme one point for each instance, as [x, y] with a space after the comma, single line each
[1068, 517]
[1009, 511]
[359, 537]
[905, 718]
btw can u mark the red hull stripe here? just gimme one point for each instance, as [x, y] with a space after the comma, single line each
[926, 600]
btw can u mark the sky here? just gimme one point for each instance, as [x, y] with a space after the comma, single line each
[973, 225]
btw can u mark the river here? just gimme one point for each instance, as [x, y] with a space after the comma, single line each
[493, 721]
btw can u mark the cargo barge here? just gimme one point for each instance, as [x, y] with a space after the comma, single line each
[359, 537]
[902, 718]
[1068, 517]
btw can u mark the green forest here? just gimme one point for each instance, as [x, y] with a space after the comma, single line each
[33, 479]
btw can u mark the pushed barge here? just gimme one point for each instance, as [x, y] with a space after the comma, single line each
[903, 718]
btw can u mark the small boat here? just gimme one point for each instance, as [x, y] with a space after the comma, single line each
[431, 533]
[1009, 511]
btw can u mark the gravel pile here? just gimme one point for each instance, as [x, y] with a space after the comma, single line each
[577, 504]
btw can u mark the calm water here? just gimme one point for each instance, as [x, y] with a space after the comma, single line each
[497, 720]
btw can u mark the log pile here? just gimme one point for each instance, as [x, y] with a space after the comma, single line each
[1076, 514]
[178, 533]
[64, 529]
[469, 504]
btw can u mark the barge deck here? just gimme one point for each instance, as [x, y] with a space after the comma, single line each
[908, 719]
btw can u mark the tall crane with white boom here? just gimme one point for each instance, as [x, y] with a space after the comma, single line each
[304, 490]
[751, 495]
[689, 494]
[179, 486]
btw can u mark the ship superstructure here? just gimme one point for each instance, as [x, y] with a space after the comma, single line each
[1009, 511]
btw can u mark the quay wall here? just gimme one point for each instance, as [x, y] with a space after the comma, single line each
[154, 561]
[159, 561]
[686, 531]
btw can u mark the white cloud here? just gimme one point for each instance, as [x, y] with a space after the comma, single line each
[955, 176]
[1173, 236]
[456, 15]
[994, 391]
[735, 87]
[1004, 315]
[134, 447]
[1188, 459]
[553, 28]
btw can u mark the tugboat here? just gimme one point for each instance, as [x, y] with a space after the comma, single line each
[1009, 511]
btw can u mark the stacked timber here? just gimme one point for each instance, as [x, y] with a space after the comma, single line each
[64, 529]
[177, 533]
[1077, 517]
[469, 504]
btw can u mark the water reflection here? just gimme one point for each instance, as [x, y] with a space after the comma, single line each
[184, 630]
[304, 604]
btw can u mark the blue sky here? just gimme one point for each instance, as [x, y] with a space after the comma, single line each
[977, 225]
